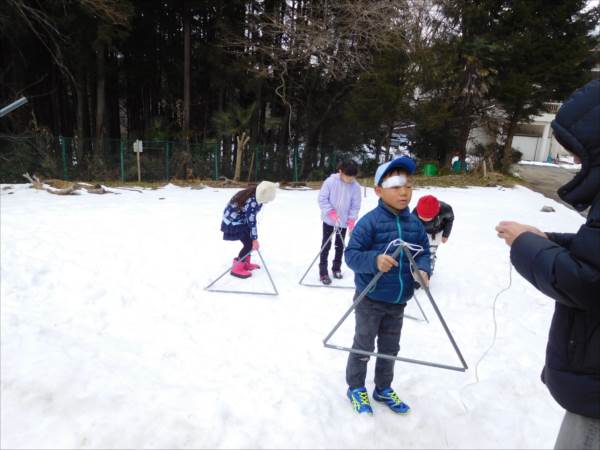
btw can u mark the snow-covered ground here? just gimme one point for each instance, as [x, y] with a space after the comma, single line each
[109, 340]
[565, 164]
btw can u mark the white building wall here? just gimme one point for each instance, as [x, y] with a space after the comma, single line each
[556, 148]
[529, 146]
[534, 148]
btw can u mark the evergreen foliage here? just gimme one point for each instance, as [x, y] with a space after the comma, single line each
[312, 75]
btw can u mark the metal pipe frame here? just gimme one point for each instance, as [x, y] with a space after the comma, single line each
[264, 266]
[361, 297]
[335, 231]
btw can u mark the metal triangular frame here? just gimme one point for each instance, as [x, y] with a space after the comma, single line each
[424, 319]
[336, 230]
[264, 266]
[399, 358]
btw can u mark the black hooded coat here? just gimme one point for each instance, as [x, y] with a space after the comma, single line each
[566, 267]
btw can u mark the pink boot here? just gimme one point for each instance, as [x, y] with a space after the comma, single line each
[239, 270]
[248, 265]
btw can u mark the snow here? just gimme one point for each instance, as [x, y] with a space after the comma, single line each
[109, 340]
[564, 164]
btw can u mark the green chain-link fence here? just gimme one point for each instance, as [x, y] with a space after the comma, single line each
[114, 159]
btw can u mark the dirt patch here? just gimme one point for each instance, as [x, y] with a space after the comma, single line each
[460, 180]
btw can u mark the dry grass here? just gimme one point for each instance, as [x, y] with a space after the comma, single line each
[454, 180]
[460, 180]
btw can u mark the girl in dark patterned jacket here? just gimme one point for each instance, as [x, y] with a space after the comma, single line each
[239, 223]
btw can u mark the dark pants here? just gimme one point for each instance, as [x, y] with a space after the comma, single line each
[375, 320]
[339, 249]
[247, 242]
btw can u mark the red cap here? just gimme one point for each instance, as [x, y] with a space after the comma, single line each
[428, 207]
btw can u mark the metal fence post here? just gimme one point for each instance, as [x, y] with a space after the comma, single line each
[216, 153]
[122, 158]
[334, 161]
[256, 161]
[167, 151]
[63, 151]
[296, 163]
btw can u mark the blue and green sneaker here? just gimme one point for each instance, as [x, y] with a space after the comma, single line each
[390, 398]
[360, 400]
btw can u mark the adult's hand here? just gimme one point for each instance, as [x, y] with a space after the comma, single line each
[255, 245]
[509, 231]
[444, 240]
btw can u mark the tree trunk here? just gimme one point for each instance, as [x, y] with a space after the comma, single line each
[83, 113]
[283, 144]
[186, 73]
[113, 105]
[238, 159]
[241, 143]
[100, 99]
[387, 142]
[507, 153]
[251, 167]
[309, 154]
[464, 135]
[57, 125]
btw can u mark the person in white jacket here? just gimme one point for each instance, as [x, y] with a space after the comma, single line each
[339, 200]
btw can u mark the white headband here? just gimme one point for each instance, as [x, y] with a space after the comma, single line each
[395, 181]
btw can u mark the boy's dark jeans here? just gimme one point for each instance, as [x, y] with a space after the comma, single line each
[339, 250]
[381, 320]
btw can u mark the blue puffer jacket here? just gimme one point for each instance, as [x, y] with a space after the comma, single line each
[240, 221]
[371, 237]
[566, 266]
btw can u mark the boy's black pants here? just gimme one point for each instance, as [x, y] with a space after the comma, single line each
[339, 249]
[375, 320]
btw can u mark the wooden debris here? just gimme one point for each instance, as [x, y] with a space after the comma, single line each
[36, 183]
[97, 189]
[226, 181]
[61, 187]
[128, 189]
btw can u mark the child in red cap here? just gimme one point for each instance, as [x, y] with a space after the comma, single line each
[437, 217]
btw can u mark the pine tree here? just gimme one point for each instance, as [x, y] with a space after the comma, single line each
[545, 53]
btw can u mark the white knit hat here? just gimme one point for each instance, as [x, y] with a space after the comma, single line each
[265, 191]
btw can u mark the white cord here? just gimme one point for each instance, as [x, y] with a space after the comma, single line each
[397, 242]
[493, 337]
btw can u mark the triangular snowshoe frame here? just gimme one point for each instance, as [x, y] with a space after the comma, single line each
[336, 230]
[263, 266]
[399, 358]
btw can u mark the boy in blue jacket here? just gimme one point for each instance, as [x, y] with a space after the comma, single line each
[381, 312]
